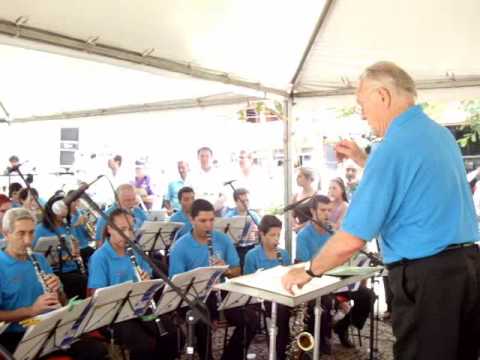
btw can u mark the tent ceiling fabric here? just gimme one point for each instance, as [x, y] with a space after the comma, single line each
[429, 38]
[258, 40]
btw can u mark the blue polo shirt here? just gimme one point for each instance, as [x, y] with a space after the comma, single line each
[257, 259]
[19, 285]
[188, 254]
[107, 268]
[42, 231]
[181, 217]
[413, 192]
[172, 193]
[139, 218]
[309, 242]
[80, 232]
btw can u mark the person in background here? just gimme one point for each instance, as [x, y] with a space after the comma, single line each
[186, 196]
[143, 185]
[171, 198]
[13, 193]
[351, 175]
[264, 256]
[305, 179]
[338, 196]
[13, 162]
[5, 205]
[27, 200]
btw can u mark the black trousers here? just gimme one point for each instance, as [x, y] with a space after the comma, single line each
[245, 321]
[436, 306]
[84, 349]
[357, 316]
[143, 341]
[388, 293]
[74, 284]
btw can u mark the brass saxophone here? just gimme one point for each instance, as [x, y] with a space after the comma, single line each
[301, 340]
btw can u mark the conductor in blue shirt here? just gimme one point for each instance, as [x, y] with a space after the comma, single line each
[265, 256]
[192, 251]
[414, 193]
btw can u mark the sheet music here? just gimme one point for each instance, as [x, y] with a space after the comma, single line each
[140, 298]
[203, 279]
[270, 280]
[233, 300]
[233, 226]
[150, 229]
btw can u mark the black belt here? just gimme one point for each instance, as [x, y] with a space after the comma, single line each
[447, 249]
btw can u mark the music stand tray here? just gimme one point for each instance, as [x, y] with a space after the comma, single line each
[233, 227]
[3, 326]
[195, 284]
[157, 235]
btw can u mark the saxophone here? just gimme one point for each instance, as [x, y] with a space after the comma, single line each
[301, 340]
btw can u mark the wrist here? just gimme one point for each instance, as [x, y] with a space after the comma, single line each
[312, 274]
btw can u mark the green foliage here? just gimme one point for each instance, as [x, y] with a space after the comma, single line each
[472, 123]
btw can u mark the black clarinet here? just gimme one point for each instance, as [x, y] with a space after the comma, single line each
[279, 256]
[211, 262]
[41, 275]
[138, 271]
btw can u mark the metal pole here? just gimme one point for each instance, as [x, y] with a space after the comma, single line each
[318, 318]
[273, 333]
[288, 171]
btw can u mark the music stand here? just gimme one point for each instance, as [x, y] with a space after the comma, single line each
[196, 283]
[267, 285]
[48, 246]
[156, 215]
[157, 235]
[233, 227]
[3, 326]
[52, 328]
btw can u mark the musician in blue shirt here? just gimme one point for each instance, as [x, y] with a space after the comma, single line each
[111, 265]
[203, 247]
[25, 292]
[71, 271]
[413, 193]
[186, 196]
[127, 199]
[265, 256]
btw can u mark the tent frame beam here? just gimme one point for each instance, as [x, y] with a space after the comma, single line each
[144, 59]
[140, 108]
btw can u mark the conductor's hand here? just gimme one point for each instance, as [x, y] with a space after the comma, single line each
[45, 302]
[296, 276]
[53, 283]
[347, 149]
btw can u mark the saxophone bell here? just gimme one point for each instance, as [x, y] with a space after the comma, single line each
[305, 341]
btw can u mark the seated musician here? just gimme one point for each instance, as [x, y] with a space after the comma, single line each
[22, 294]
[267, 255]
[68, 265]
[192, 251]
[111, 265]
[127, 200]
[309, 241]
[248, 238]
[78, 222]
[186, 196]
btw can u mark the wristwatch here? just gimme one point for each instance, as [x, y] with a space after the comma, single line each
[311, 274]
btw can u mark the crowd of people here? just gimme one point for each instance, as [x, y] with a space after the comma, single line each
[425, 225]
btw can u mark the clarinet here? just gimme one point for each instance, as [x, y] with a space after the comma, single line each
[78, 259]
[137, 272]
[279, 256]
[211, 262]
[41, 275]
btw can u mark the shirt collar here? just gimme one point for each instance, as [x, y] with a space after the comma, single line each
[110, 250]
[401, 119]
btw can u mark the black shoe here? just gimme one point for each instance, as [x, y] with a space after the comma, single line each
[344, 339]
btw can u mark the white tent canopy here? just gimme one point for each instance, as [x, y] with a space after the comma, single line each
[223, 48]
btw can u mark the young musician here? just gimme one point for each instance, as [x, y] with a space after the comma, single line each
[111, 265]
[70, 269]
[200, 248]
[309, 241]
[25, 292]
[267, 255]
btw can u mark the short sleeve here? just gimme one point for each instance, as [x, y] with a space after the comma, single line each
[97, 274]
[177, 263]
[249, 266]
[302, 253]
[231, 257]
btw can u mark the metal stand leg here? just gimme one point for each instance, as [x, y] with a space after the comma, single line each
[318, 318]
[273, 333]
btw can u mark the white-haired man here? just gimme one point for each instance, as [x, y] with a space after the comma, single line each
[415, 195]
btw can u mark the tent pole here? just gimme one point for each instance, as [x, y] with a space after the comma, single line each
[288, 169]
